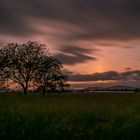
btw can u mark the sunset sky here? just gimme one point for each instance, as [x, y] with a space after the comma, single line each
[98, 41]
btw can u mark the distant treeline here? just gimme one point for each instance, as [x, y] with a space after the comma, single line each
[105, 90]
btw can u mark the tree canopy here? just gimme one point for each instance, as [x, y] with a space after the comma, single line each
[30, 64]
[51, 76]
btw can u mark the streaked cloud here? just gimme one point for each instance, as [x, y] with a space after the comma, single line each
[90, 19]
[71, 55]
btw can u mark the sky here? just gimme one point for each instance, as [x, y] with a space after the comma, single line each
[97, 41]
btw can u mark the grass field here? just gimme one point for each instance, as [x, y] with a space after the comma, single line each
[106, 116]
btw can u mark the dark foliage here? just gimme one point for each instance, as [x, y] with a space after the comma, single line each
[29, 65]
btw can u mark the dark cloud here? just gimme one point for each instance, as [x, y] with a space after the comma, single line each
[73, 54]
[12, 22]
[131, 75]
[90, 19]
[110, 75]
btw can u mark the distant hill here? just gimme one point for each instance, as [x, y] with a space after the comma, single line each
[113, 88]
[94, 88]
[121, 88]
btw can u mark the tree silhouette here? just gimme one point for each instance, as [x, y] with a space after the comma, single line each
[25, 63]
[50, 75]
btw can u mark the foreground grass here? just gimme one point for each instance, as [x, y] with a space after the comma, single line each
[80, 117]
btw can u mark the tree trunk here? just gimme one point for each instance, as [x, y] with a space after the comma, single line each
[43, 91]
[25, 90]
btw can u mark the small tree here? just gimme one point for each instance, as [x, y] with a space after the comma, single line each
[51, 76]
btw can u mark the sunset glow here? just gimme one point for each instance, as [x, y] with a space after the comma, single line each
[92, 38]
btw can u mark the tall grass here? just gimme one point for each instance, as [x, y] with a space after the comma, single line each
[79, 117]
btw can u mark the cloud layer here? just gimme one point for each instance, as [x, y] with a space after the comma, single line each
[88, 19]
[133, 75]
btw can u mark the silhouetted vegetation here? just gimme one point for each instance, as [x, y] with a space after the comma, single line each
[29, 65]
[51, 76]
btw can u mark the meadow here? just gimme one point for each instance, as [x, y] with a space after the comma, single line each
[97, 116]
